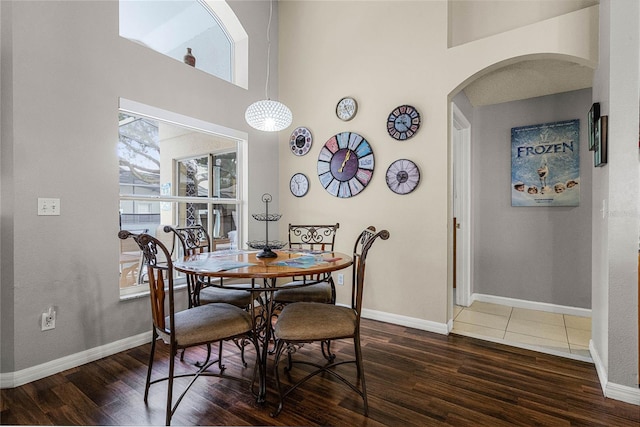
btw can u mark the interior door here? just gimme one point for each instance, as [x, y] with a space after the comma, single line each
[461, 169]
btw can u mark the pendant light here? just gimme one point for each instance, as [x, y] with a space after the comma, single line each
[268, 115]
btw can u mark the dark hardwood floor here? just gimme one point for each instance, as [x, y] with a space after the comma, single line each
[414, 378]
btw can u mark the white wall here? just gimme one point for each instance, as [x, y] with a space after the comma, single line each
[539, 254]
[367, 59]
[64, 68]
[616, 192]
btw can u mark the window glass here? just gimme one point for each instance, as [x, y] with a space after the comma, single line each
[163, 167]
[170, 27]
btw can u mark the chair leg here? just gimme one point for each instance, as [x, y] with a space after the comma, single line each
[326, 351]
[151, 356]
[201, 364]
[170, 387]
[360, 370]
[278, 352]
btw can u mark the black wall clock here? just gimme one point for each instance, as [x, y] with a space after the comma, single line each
[403, 176]
[345, 164]
[300, 141]
[403, 122]
[299, 184]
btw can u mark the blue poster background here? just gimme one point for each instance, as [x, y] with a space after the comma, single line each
[545, 164]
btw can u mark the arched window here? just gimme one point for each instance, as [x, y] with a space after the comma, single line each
[209, 28]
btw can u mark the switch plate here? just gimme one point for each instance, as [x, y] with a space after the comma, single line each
[340, 279]
[48, 206]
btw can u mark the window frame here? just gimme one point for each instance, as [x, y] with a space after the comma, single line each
[142, 110]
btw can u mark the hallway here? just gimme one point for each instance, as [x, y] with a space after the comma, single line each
[552, 333]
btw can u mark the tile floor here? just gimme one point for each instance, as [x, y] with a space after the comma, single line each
[553, 333]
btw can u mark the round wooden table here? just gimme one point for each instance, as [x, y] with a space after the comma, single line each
[263, 273]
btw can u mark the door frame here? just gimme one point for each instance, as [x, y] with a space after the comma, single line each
[461, 202]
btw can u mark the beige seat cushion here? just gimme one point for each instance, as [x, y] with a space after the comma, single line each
[319, 292]
[208, 323]
[238, 298]
[310, 321]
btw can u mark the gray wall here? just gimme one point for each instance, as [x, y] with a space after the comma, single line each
[64, 68]
[540, 254]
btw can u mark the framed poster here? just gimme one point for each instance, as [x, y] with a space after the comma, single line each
[545, 164]
[592, 118]
[600, 150]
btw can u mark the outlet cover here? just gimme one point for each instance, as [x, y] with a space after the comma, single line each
[48, 206]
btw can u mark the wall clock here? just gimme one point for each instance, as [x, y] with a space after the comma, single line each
[346, 109]
[345, 164]
[403, 122]
[403, 176]
[299, 184]
[300, 141]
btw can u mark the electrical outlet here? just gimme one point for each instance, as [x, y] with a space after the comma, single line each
[49, 319]
[48, 206]
[340, 279]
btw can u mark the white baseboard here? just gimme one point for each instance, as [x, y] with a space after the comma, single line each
[611, 390]
[411, 322]
[532, 305]
[24, 376]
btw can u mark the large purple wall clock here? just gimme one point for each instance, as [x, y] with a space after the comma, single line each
[345, 164]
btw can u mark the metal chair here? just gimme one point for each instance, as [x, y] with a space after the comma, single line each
[205, 324]
[305, 322]
[195, 240]
[310, 238]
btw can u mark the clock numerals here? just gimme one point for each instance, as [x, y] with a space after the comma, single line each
[300, 141]
[299, 184]
[403, 176]
[403, 122]
[346, 109]
[345, 164]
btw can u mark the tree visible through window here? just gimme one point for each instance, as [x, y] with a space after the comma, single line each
[173, 175]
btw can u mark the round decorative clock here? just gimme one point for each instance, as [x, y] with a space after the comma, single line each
[403, 122]
[300, 141]
[345, 164]
[299, 184]
[403, 176]
[346, 109]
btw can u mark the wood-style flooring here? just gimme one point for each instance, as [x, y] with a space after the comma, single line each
[414, 378]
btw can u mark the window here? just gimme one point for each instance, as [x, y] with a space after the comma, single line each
[170, 27]
[175, 171]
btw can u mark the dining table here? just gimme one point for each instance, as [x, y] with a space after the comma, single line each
[305, 266]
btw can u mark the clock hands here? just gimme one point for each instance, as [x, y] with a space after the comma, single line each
[344, 162]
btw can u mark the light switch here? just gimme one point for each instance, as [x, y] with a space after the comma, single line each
[48, 206]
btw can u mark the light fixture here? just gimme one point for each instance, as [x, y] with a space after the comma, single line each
[268, 115]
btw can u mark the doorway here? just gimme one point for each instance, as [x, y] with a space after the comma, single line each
[461, 206]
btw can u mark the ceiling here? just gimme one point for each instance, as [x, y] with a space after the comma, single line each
[528, 79]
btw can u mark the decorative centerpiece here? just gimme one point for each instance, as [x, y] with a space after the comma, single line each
[266, 245]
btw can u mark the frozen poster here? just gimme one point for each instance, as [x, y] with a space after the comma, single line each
[545, 164]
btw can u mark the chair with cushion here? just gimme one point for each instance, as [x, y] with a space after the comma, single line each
[310, 238]
[306, 322]
[195, 240]
[205, 324]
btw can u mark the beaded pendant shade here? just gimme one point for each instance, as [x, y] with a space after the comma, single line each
[268, 115]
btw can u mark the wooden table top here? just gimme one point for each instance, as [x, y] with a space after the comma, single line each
[213, 264]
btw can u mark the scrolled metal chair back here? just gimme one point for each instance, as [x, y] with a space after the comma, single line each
[360, 251]
[315, 236]
[194, 238]
[160, 273]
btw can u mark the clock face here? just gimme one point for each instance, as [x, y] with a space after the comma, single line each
[300, 141]
[346, 108]
[299, 184]
[403, 122]
[345, 164]
[403, 176]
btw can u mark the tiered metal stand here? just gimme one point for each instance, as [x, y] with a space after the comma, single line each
[267, 246]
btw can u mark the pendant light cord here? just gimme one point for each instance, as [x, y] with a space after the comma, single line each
[266, 84]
